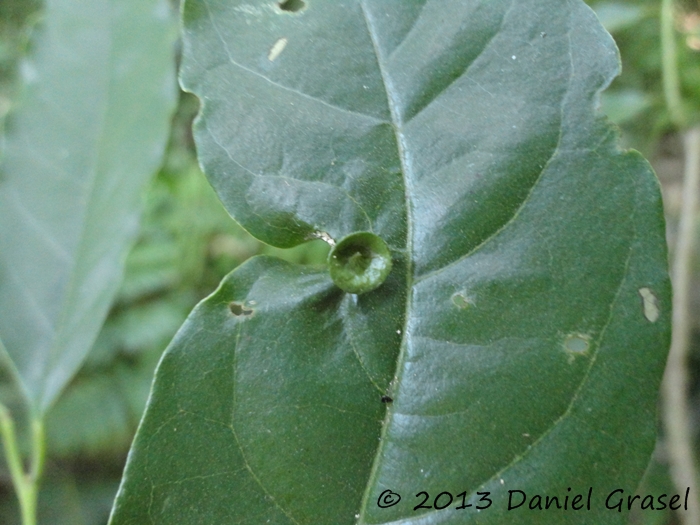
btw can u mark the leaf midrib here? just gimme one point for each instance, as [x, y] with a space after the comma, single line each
[409, 254]
[93, 173]
[411, 279]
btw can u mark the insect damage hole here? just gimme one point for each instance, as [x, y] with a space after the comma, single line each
[292, 6]
[239, 309]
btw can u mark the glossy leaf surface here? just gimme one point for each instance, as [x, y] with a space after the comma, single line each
[87, 133]
[519, 339]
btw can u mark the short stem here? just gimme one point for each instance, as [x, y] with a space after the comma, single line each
[26, 483]
[676, 380]
[38, 450]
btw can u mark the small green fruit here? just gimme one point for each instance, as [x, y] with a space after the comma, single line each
[360, 262]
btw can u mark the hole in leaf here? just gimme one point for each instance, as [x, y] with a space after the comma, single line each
[292, 6]
[239, 309]
[577, 344]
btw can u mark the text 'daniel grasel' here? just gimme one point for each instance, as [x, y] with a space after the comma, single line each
[517, 500]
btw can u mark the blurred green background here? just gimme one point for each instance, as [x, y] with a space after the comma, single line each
[188, 243]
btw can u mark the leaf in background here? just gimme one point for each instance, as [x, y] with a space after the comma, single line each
[105, 420]
[624, 105]
[656, 480]
[147, 325]
[617, 15]
[522, 331]
[88, 132]
[67, 498]
[16, 22]
[151, 268]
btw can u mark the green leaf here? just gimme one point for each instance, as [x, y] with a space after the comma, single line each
[87, 133]
[90, 420]
[67, 498]
[519, 340]
[656, 481]
[625, 104]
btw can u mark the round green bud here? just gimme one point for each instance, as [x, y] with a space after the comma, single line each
[360, 262]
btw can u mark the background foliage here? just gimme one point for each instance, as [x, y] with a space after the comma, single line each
[188, 243]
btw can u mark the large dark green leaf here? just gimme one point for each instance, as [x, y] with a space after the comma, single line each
[88, 131]
[523, 328]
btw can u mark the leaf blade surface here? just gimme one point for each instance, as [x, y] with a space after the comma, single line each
[513, 335]
[89, 129]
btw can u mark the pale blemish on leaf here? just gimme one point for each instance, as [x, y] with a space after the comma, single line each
[462, 301]
[276, 49]
[650, 304]
[325, 237]
[577, 343]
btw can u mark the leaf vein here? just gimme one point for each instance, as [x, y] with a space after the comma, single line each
[425, 104]
[285, 177]
[232, 426]
[512, 219]
[405, 169]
